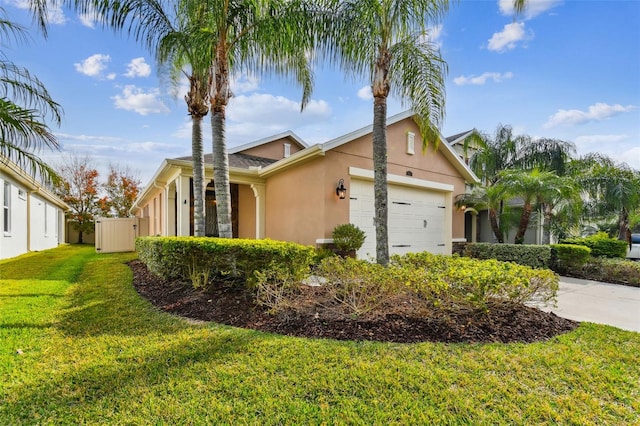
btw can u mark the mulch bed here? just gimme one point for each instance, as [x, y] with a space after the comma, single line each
[235, 306]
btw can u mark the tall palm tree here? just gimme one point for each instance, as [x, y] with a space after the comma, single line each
[257, 36]
[388, 40]
[25, 104]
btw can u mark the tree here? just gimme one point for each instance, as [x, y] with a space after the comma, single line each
[25, 105]
[506, 155]
[388, 40]
[535, 188]
[78, 187]
[611, 189]
[248, 36]
[121, 189]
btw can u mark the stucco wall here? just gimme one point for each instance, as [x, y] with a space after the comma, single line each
[246, 212]
[273, 150]
[13, 243]
[45, 224]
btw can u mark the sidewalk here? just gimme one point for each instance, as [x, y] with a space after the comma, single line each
[602, 303]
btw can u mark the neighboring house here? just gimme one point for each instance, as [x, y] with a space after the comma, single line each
[32, 216]
[285, 190]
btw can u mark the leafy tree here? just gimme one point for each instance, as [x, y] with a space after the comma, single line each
[78, 187]
[388, 41]
[25, 105]
[121, 189]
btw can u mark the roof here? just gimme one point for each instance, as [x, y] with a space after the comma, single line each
[241, 161]
[459, 136]
[19, 175]
[288, 134]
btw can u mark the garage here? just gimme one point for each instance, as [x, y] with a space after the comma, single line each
[417, 217]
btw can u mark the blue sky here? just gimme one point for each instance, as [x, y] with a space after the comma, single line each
[565, 69]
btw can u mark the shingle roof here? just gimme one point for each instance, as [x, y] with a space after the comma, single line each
[457, 136]
[240, 161]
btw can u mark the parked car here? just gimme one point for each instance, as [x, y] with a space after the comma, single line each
[634, 251]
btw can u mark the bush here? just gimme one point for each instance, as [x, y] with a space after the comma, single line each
[567, 257]
[615, 271]
[348, 237]
[534, 256]
[198, 259]
[478, 283]
[601, 245]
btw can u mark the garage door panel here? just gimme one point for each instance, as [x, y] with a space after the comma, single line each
[416, 218]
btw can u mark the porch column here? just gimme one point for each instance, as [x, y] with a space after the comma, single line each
[259, 193]
[170, 210]
[182, 185]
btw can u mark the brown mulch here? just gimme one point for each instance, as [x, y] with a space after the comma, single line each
[234, 305]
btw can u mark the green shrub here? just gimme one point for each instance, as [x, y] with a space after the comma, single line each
[601, 245]
[198, 259]
[348, 237]
[534, 256]
[478, 283]
[616, 271]
[568, 257]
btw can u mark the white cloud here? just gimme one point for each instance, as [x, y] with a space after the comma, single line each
[244, 84]
[532, 9]
[631, 157]
[365, 93]
[509, 37]
[87, 19]
[596, 112]
[479, 80]
[258, 115]
[94, 65]
[137, 100]
[138, 68]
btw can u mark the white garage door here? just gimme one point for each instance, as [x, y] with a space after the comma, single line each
[416, 218]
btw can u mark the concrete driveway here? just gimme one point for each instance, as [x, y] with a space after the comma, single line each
[602, 303]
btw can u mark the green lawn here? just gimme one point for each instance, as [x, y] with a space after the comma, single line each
[93, 352]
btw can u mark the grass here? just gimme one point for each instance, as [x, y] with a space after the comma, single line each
[94, 352]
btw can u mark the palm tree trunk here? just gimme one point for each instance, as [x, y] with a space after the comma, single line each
[495, 227]
[380, 180]
[524, 223]
[221, 173]
[546, 227]
[623, 224]
[199, 215]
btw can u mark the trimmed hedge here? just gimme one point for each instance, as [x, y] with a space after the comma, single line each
[568, 257]
[534, 256]
[199, 259]
[601, 245]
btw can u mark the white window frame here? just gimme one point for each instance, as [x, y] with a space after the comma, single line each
[6, 208]
[287, 150]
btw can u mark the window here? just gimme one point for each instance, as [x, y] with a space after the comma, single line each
[411, 137]
[287, 150]
[6, 208]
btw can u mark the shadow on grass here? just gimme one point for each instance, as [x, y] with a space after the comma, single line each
[72, 393]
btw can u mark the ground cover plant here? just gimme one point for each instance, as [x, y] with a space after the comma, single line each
[92, 351]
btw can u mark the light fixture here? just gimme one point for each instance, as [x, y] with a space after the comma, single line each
[341, 191]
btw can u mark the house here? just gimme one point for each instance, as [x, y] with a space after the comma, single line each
[32, 216]
[285, 190]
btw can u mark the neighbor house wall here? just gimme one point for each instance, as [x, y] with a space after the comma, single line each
[14, 242]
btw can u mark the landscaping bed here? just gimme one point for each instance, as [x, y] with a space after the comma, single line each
[235, 305]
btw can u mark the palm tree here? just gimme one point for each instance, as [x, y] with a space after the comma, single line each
[248, 36]
[611, 189]
[535, 188]
[24, 107]
[388, 41]
[492, 199]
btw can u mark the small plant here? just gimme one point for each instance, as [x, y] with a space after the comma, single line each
[348, 237]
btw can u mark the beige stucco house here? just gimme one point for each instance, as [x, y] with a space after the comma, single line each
[285, 190]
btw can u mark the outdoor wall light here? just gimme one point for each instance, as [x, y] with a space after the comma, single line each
[341, 191]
